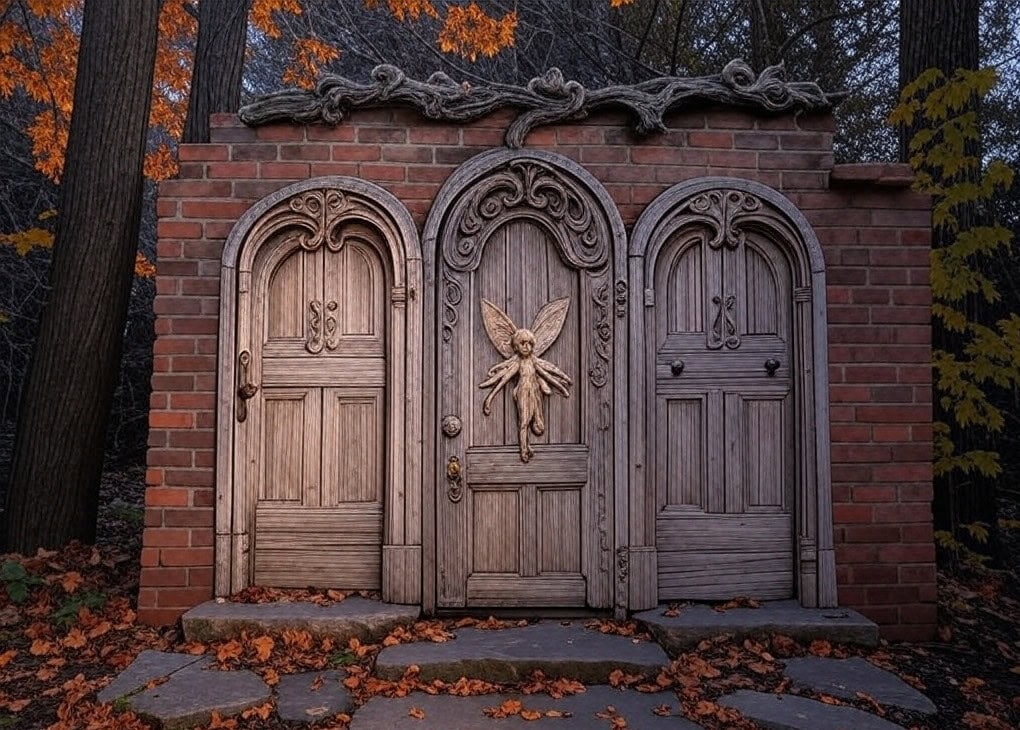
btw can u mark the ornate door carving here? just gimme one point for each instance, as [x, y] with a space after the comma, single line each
[524, 417]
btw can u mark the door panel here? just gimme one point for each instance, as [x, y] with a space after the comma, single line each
[723, 427]
[318, 327]
[515, 531]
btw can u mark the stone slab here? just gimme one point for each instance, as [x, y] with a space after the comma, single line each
[846, 677]
[147, 666]
[698, 622]
[191, 694]
[297, 701]
[788, 712]
[510, 655]
[446, 712]
[354, 617]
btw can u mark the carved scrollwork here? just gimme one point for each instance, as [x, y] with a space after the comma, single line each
[621, 298]
[598, 373]
[314, 341]
[322, 330]
[722, 211]
[531, 189]
[453, 295]
[317, 213]
[724, 326]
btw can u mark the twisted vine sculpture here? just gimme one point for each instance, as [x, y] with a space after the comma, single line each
[546, 99]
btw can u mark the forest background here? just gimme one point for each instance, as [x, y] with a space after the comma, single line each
[872, 49]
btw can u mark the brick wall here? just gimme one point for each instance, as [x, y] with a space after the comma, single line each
[874, 232]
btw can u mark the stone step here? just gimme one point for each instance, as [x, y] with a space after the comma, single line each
[445, 712]
[354, 617]
[510, 655]
[697, 622]
[789, 712]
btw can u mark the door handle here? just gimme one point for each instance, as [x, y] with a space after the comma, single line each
[455, 480]
[245, 390]
[676, 367]
[771, 365]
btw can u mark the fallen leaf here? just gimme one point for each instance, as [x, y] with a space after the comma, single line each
[40, 648]
[530, 715]
[262, 712]
[263, 647]
[75, 639]
[417, 713]
[663, 710]
[558, 713]
[829, 700]
[7, 656]
[18, 705]
[820, 647]
[71, 581]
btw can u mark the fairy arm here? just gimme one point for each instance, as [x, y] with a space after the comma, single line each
[553, 376]
[499, 376]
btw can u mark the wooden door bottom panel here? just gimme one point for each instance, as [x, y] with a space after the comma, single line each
[682, 530]
[515, 591]
[718, 576]
[342, 567]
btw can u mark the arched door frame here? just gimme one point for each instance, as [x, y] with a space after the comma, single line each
[367, 203]
[463, 179]
[787, 227]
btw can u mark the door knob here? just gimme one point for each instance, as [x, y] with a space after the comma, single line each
[676, 367]
[455, 479]
[771, 365]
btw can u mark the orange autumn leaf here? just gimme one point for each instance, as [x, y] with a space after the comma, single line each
[417, 713]
[18, 705]
[531, 715]
[7, 656]
[402, 9]
[71, 581]
[470, 33]
[229, 650]
[75, 639]
[40, 647]
[263, 646]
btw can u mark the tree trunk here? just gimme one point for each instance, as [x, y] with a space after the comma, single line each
[219, 63]
[936, 34]
[68, 391]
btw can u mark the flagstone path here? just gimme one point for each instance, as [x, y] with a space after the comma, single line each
[181, 691]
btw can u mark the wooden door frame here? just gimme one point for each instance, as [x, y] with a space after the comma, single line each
[369, 204]
[814, 559]
[463, 179]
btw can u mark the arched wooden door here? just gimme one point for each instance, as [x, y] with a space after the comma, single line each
[526, 388]
[319, 482]
[722, 427]
[312, 446]
[729, 458]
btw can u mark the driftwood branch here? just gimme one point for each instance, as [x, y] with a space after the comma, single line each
[547, 99]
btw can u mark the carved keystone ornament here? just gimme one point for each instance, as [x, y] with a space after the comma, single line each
[522, 349]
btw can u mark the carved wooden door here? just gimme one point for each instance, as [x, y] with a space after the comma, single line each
[311, 443]
[723, 416]
[523, 503]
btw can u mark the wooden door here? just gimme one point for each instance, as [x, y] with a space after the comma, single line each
[525, 449]
[312, 440]
[723, 422]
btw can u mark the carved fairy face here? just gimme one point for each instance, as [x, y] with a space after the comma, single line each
[523, 342]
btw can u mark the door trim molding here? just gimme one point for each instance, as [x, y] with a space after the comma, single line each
[371, 205]
[465, 178]
[789, 229]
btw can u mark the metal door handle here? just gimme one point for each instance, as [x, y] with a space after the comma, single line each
[455, 479]
[245, 390]
[676, 367]
[771, 365]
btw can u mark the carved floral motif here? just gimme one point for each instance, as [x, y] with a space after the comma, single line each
[535, 377]
[722, 210]
[533, 190]
[599, 370]
[317, 215]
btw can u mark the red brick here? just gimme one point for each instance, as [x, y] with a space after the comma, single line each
[202, 152]
[891, 595]
[408, 153]
[871, 533]
[189, 477]
[182, 597]
[230, 170]
[285, 170]
[163, 537]
[170, 457]
[917, 553]
[179, 229]
[718, 140]
[200, 576]
[384, 172]
[864, 574]
[159, 616]
[166, 497]
[186, 556]
[191, 517]
[281, 133]
[304, 152]
[243, 152]
[158, 577]
[874, 493]
[851, 513]
[170, 419]
[434, 135]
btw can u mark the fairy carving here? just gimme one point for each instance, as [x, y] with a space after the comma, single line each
[522, 349]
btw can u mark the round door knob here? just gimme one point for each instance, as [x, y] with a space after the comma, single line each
[451, 426]
[771, 365]
[676, 367]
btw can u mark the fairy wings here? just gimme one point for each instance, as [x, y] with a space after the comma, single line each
[502, 331]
